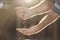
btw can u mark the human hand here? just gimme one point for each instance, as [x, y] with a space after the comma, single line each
[25, 31]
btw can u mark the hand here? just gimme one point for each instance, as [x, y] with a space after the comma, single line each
[21, 29]
[25, 31]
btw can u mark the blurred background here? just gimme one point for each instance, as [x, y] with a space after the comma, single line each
[8, 23]
[7, 20]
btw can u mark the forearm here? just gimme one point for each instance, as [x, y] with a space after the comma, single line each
[52, 17]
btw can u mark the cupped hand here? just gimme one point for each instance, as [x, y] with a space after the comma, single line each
[25, 31]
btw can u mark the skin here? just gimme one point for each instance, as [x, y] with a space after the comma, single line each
[32, 30]
[51, 16]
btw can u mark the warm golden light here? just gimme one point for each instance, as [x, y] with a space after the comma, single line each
[28, 1]
[31, 4]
